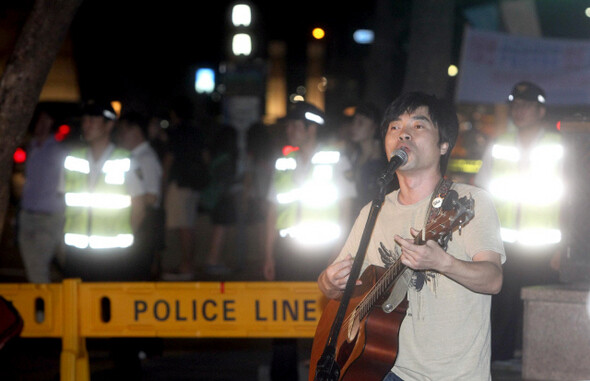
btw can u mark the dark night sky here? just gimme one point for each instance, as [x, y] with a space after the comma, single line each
[151, 46]
[149, 49]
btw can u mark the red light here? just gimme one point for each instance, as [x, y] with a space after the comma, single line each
[62, 132]
[288, 149]
[558, 125]
[20, 156]
[64, 129]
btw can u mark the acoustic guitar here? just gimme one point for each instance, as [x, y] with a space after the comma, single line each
[367, 344]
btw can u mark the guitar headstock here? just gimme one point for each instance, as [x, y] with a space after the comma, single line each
[454, 213]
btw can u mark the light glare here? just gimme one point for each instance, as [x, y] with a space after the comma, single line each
[241, 44]
[205, 81]
[241, 15]
[364, 36]
[318, 33]
[453, 70]
[117, 106]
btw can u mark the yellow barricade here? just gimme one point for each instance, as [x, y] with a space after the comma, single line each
[207, 309]
[74, 311]
[30, 299]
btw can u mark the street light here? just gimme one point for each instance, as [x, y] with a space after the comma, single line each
[241, 44]
[205, 81]
[241, 40]
[318, 33]
[241, 15]
[364, 36]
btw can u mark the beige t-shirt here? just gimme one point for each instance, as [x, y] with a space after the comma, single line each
[446, 332]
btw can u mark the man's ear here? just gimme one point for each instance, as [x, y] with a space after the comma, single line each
[312, 128]
[542, 112]
[110, 125]
[444, 148]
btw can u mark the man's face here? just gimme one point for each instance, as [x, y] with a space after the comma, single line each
[362, 128]
[526, 113]
[416, 134]
[297, 132]
[43, 125]
[123, 134]
[96, 128]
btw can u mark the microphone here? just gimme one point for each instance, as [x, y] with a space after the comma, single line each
[399, 157]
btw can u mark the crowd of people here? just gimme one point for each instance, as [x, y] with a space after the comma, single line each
[179, 171]
[113, 202]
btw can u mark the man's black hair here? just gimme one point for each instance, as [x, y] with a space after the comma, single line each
[441, 113]
[369, 110]
[40, 109]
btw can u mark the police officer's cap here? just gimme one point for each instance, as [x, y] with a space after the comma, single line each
[527, 91]
[306, 112]
[96, 108]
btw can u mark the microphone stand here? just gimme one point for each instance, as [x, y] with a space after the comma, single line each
[327, 368]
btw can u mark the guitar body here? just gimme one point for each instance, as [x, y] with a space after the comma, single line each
[371, 353]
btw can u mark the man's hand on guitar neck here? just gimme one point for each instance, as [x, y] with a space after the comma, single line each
[429, 256]
[332, 281]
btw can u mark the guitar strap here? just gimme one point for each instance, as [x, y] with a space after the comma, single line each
[400, 288]
[438, 196]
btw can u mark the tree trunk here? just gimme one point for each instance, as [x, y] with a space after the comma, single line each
[24, 76]
[429, 54]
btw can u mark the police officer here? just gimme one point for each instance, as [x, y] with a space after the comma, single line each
[523, 170]
[310, 202]
[310, 199]
[99, 191]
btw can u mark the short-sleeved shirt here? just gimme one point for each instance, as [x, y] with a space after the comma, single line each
[42, 173]
[148, 170]
[446, 332]
[186, 145]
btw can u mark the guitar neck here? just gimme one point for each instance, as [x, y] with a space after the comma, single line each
[383, 285]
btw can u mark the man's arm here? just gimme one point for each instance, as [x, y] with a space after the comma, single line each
[483, 274]
[137, 212]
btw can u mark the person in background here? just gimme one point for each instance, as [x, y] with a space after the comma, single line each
[101, 194]
[260, 158]
[448, 289]
[220, 197]
[309, 213]
[148, 217]
[367, 158]
[41, 215]
[157, 135]
[523, 170]
[185, 175]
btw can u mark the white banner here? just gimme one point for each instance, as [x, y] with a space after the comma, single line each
[491, 63]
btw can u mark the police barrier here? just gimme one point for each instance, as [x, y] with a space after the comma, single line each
[74, 311]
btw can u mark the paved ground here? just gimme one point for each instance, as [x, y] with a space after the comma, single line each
[179, 360]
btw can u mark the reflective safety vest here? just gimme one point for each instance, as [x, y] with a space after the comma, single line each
[307, 208]
[98, 218]
[527, 188]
